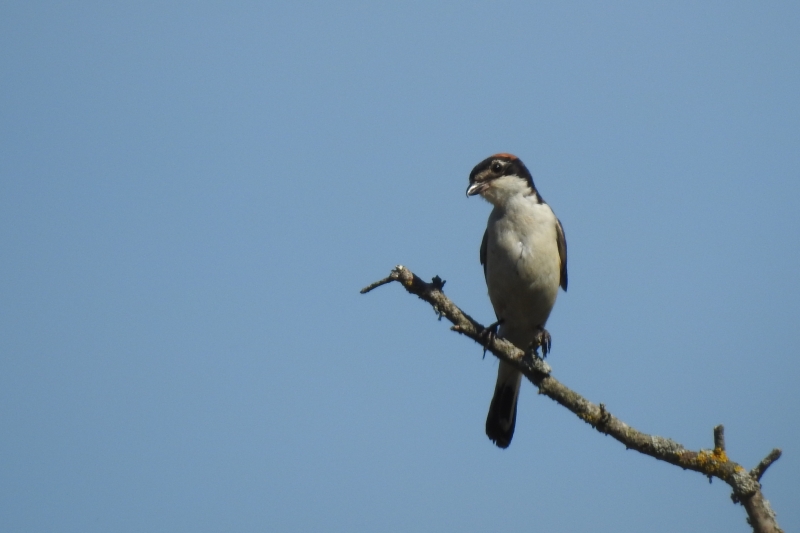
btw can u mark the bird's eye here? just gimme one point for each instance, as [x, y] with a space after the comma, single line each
[497, 166]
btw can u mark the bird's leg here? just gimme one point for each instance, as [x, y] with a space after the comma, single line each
[542, 339]
[489, 333]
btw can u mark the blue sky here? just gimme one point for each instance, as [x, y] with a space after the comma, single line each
[191, 197]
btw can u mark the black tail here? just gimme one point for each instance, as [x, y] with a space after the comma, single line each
[503, 410]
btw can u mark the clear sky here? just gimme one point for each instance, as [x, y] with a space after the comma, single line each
[192, 195]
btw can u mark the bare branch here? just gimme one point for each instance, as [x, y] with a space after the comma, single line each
[384, 281]
[765, 463]
[760, 515]
[711, 463]
[719, 437]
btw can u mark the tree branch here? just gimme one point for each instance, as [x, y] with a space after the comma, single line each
[711, 463]
[719, 437]
[765, 463]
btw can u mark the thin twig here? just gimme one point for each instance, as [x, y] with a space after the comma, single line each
[384, 281]
[765, 463]
[719, 437]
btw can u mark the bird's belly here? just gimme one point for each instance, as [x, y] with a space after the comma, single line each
[523, 278]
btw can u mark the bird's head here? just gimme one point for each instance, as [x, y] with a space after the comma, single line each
[500, 177]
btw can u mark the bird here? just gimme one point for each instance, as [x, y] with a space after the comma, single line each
[524, 258]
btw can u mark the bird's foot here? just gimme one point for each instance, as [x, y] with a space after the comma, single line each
[542, 339]
[489, 333]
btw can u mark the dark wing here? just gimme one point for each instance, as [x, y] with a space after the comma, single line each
[561, 242]
[483, 251]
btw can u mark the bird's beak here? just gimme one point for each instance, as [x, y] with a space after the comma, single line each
[476, 188]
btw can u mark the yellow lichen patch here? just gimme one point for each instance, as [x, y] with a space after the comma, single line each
[711, 461]
[720, 455]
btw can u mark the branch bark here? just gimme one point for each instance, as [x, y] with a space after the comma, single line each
[711, 463]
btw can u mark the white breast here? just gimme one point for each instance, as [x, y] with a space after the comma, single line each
[523, 268]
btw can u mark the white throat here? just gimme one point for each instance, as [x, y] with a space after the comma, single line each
[504, 188]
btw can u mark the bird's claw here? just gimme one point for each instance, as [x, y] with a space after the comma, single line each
[489, 333]
[542, 339]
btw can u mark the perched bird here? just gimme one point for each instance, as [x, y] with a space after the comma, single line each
[524, 258]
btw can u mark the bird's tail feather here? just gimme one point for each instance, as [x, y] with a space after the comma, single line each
[503, 409]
